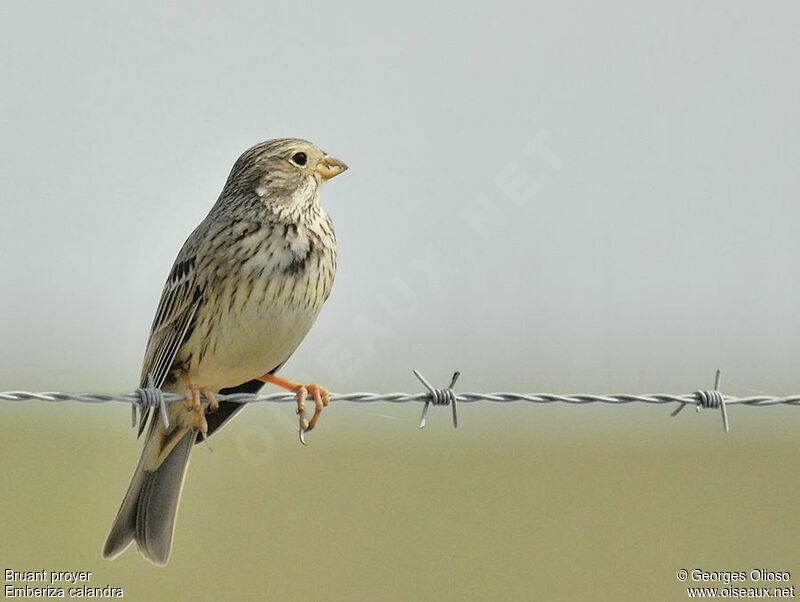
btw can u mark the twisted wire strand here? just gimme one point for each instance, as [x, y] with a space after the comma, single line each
[704, 399]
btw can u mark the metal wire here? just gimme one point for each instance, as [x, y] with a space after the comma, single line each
[150, 397]
[501, 397]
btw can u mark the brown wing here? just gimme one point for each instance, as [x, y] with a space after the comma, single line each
[174, 319]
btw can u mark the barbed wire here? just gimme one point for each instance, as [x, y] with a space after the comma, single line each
[152, 397]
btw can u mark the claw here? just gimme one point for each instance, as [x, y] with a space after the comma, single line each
[320, 395]
[213, 403]
[302, 393]
[193, 405]
[321, 400]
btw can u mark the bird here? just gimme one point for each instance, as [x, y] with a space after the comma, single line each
[243, 292]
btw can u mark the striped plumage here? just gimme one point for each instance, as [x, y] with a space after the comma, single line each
[242, 294]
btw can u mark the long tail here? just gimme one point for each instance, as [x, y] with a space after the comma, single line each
[147, 514]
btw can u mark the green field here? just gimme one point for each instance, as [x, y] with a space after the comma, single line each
[521, 502]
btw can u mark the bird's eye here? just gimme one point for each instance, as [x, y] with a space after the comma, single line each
[299, 159]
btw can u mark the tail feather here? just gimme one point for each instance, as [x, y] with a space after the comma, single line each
[148, 511]
[157, 506]
[124, 527]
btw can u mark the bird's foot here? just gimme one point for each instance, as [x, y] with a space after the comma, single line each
[321, 398]
[319, 394]
[213, 404]
[194, 405]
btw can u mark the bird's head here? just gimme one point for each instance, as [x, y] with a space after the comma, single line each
[285, 171]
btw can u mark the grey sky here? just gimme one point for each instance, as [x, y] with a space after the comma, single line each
[550, 197]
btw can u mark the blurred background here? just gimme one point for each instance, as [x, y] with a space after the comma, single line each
[548, 197]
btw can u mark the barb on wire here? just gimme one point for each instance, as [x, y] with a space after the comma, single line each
[151, 397]
[438, 397]
[710, 400]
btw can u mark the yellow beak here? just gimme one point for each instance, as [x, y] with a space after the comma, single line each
[329, 167]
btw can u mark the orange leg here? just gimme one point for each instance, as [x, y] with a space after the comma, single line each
[213, 404]
[194, 405]
[320, 395]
